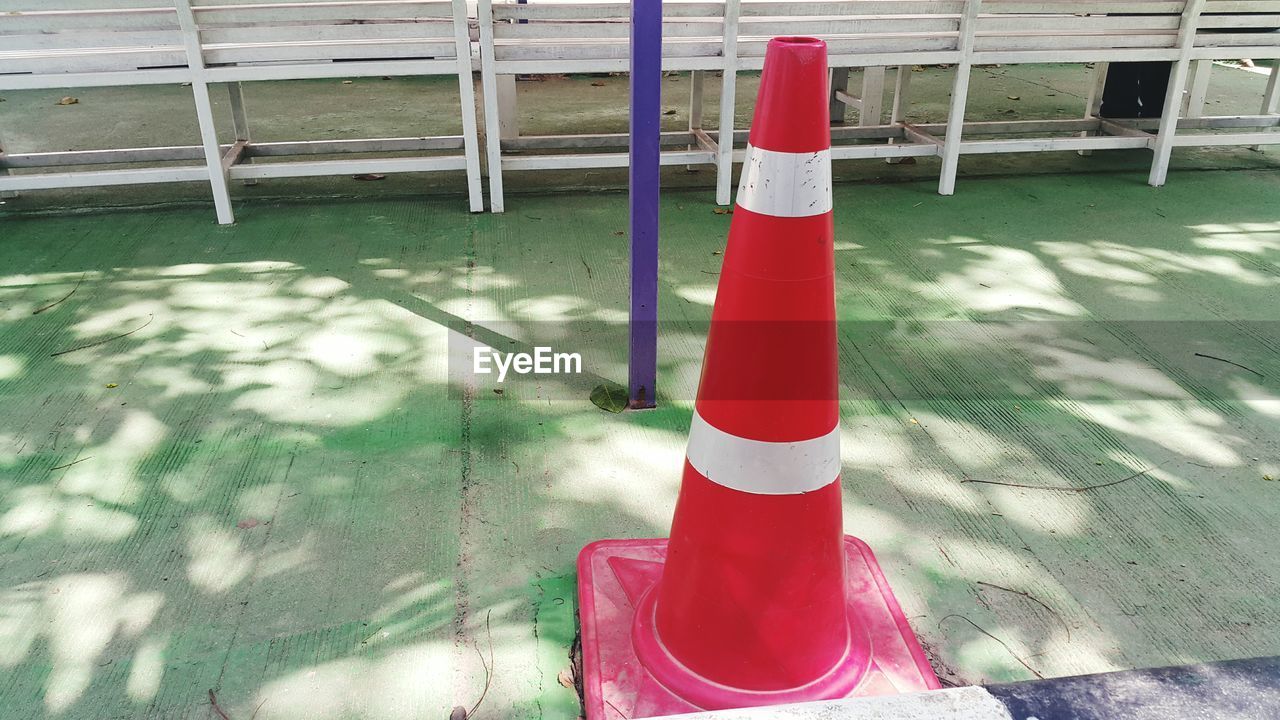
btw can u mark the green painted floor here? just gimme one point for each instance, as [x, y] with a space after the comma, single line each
[246, 459]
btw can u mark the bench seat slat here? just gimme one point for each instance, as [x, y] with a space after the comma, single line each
[914, 24]
[1212, 39]
[1082, 7]
[308, 6]
[1245, 6]
[1079, 55]
[1049, 42]
[597, 11]
[104, 20]
[77, 6]
[748, 46]
[852, 7]
[315, 12]
[321, 51]
[864, 44]
[714, 28]
[428, 30]
[989, 24]
[80, 61]
[596, 49]
[88, 41]
[711, 27]
[1239, 21]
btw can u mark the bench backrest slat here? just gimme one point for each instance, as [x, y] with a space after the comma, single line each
[847, 45]
[427, 30]
[600, 30]
[59, 21]
[320, 12]
[599, 10]
[115, 60]
[53, 36]
[1097, 24]
[618, 29]
[835, 8]
[1231, 29]
[1217, 22]
[599, 50]
[1084, 7]
[85, 36]
[1265, 39]
[825, 27]
[79, 6]
[1239, 6]
[1037, 30]
[313, 51]
[263, 31]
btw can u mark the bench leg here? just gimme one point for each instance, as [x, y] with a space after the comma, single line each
[696, 80]
[898, 110]
[493, 139]
[1193, 107]
[508, 117]
[839, 83]
[872, 96]
[470, 139]
[492, 108]
[955, 128]
[212, 153]
[240, 119]
[724, 138]
[467, 103]
[1168, 124]
[4, 172]
[901, 86]
[1271, 98]
[1093, 105]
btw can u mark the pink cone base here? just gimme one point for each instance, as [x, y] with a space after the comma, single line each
[614, 579]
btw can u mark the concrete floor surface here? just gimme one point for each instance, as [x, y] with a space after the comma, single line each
[248, 459]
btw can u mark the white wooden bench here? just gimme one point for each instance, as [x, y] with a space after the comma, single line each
[1090, 31]
[868, 34]
[256, 40]
[87, 43]
[728, 36]
[1104, 32]
[1225, 30]
[593, 37]
[119, 42]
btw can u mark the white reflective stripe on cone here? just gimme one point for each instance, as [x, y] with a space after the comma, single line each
[760, 467]
[785, 184]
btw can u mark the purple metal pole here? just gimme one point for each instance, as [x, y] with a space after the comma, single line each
[646, 118]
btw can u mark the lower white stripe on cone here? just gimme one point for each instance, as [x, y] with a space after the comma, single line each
[784, 184]
[760, 467]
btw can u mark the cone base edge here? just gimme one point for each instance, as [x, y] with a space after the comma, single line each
[612, 575]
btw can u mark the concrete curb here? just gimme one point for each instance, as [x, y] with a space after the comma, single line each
[1246, 689]
[967, 703]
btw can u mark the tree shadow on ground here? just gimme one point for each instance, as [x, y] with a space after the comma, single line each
[278, 486]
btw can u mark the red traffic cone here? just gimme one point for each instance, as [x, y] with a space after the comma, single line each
[758, 598]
